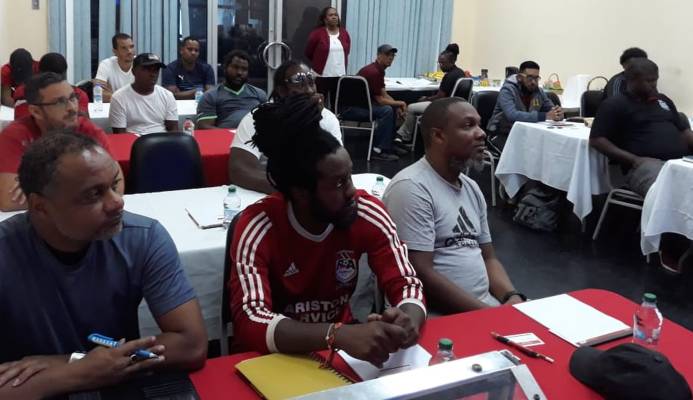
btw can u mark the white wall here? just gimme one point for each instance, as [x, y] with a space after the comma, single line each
[20, 26]
[578, 37]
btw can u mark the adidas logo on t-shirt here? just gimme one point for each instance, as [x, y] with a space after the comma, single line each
[292, 270]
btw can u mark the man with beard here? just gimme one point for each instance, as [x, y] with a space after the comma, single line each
[521, 99]
[247, 164]
[144, 107]
[187, 75]
[52, 105]
[225, 106]
[441, 215]
[75, 264]
[295, 253]
[640, 130]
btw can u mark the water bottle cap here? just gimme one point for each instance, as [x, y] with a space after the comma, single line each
[379, 179]
[232, 189]
[445, 344]
[650, 297]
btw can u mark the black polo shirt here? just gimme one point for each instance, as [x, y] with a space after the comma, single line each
[645, 128]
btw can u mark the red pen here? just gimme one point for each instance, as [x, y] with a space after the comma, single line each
[520, 347]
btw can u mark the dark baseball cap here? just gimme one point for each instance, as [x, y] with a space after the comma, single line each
[629, 371]
[147, 59]
[386, 49]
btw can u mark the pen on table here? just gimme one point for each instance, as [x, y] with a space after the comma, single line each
[399, 82]
[521, 348]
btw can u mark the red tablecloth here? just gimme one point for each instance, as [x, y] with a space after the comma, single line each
[470, 333]
[214, 148]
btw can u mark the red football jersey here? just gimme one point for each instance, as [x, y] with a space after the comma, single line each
[282, 271]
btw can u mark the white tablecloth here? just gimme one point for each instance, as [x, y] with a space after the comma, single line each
[186, 109]
[201, 250]
[560, 158]
[668, 205]
[6, 116]
[421, 84]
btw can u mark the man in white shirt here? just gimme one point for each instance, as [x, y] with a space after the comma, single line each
[144, 107]
[246, 163]
[116, 72]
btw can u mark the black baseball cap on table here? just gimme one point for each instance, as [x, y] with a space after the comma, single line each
[147, 59]
[629, 371]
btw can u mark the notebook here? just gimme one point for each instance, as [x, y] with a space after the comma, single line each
[400, 361]
[204, 216]
[282, 376]
[574, 321]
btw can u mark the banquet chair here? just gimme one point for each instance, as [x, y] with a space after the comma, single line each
[485, 102]
[88, 87]
[327, 86]
[591, 99]
[352, 91]
[164, 161]
[225, 316]
[509, 71]
[554, 98]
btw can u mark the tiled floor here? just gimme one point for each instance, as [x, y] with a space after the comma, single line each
[542, 264]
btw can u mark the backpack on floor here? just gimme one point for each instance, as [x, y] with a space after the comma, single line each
[538, 208]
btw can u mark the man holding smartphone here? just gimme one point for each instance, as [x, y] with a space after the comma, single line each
[75, 264]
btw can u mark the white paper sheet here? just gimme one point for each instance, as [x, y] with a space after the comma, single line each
[403, 360]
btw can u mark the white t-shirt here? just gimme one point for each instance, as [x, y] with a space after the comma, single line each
[142, 114]
[246, 130]
[334, 66]
[109, 71]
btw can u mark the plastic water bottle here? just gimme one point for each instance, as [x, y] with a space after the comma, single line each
[379, 187]
[198, 95]
[232, 206]
[647, 322]
[189, 127]
[444, 353]
[98, 98]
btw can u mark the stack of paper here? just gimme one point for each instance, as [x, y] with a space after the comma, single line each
[574, 321]
[403, 360]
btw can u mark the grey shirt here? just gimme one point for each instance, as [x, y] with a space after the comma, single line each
[434, 216]
[229, 107]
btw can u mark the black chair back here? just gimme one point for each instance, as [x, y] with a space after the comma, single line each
[328, 88]
[511, 71]
[228, 264]
[589, 102]
[485, 102]
[352, 91]
[164, 161]
[463, 88]
[88, 87]
[554, 98]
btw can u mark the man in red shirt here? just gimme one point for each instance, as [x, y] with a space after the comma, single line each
[295, 253]
[53, 107]
[15, 73]
[382, 104]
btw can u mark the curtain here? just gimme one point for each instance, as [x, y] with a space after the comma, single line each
[155, 28]
[56, 27]
[419, 29]
[80, 61]
[107, 27]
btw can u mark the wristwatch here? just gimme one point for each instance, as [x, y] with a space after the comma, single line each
[511, 294]
[76, 356]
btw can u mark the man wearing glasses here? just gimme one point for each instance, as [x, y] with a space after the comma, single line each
[53, 106]
[521, 99]
[247, 165]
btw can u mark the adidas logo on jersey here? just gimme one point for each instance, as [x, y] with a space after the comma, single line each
[292, 270]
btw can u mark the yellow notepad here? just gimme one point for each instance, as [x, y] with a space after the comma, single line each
[281, 376]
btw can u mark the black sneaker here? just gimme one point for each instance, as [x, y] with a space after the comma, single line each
[383, 156]
[401, 149]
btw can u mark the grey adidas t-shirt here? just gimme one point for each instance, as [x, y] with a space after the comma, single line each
[433, 215]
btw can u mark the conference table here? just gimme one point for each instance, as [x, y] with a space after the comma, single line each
[470, 333]
[423, 84]
[214, 149]
[668, 205]
[558, 156]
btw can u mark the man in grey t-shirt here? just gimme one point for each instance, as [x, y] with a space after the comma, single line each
[441, 215]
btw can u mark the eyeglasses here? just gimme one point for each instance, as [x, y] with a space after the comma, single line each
[62, 101]
[301, 78]
[536, 78]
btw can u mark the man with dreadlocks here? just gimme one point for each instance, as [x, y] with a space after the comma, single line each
[295, 252]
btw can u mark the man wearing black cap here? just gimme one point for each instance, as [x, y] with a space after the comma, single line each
[144, 107]
[382, 104]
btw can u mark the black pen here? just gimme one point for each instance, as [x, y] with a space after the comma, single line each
[399, 82]
[520, 347]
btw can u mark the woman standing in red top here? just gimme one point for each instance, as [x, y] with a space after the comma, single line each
[328, 45]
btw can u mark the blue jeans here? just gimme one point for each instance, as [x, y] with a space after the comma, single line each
[383, 115]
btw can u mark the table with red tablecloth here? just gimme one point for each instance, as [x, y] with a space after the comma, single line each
[470, 333]
[214, 149]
